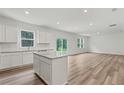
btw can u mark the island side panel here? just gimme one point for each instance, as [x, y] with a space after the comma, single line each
[42, 67]
[60, 70]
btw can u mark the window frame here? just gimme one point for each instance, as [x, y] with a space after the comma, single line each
[62, 40]
[27, 39]
[80, 42]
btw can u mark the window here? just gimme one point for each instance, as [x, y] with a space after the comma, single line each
[61, 45]
[27, 39]
[80, 43]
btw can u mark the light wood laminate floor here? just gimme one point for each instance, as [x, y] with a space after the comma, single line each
[84, 69]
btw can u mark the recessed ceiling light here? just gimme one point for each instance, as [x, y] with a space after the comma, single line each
[58, 23]
[90, 24]
[85, 11]
[98, 33]
[27, 12]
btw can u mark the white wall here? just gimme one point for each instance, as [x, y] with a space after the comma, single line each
[71, 37]
[109, 43]
[72, 40]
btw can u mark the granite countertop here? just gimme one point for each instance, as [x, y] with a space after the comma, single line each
[52, 55]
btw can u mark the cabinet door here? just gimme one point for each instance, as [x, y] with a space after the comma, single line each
[48, 37]
[2, 33]
[5, 61]
[36, 64]
[41, 69]
[11, 60]
[42, 37]
[28, 58]
[0, 61]
[45, 71]
[11, 34]
[16, 59]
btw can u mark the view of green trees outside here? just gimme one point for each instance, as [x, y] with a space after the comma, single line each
[27, 39]
[61, 45]
[80, 43]
[64, 45]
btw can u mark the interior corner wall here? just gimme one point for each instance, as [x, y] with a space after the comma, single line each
[109, 43]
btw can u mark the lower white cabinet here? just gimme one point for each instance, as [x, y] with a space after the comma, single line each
[52, 70]
[27, 58]
[42, 68]
[45, 71]
[36, 64]
[16, 59]
[0, 61]
[8, 60]
[5, 61]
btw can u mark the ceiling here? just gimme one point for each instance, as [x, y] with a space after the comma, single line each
[85, 21]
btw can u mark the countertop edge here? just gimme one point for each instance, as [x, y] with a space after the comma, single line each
[25, 51]
[51, 57]
[59, 56]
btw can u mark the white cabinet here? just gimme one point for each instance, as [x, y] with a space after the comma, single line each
[27, 58]
[52, 71]
[36, 64]
[45, 70]
[16, 59]
[10, 60]
[42, 68]
[0, 61]
[8, 34]
[2, 33]
[5, 61]
[44, 37]
[11, 34]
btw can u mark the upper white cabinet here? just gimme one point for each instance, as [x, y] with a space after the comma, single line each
[44, 37]
[8, 34]
[2, 33]
[11, 34]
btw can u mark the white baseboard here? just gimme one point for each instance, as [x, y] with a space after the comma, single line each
[112, 53]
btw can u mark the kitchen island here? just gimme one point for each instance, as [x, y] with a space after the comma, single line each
[51, 67]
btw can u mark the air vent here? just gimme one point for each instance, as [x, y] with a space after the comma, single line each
[112, 25]
[114, 9]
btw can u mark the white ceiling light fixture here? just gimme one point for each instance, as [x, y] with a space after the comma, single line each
[85, 11]
[85, 34]
[27, 12]
[90, 24]
[58, 23]
[98, 33]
